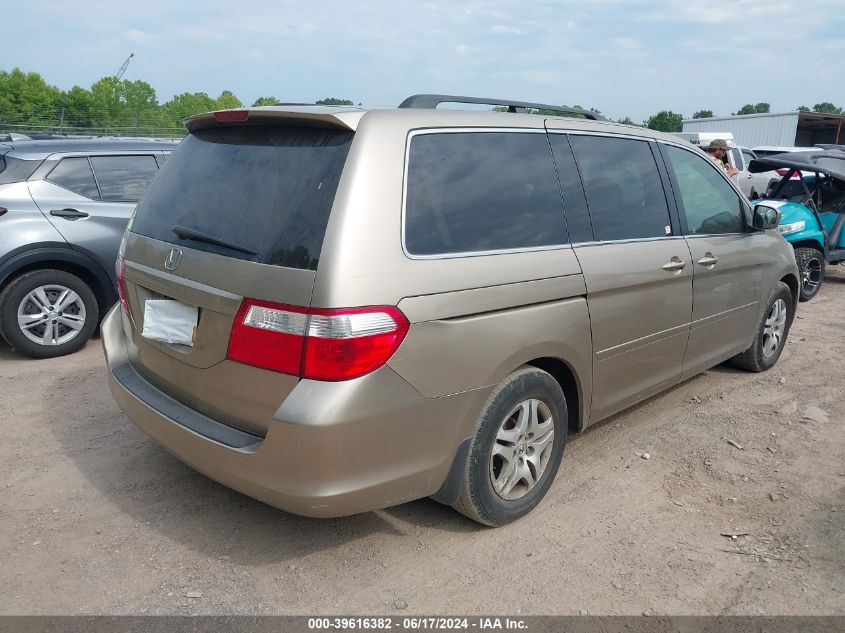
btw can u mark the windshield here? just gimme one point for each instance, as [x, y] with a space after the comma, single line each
[262, 193]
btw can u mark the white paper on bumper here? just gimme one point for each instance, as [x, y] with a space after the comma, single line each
[169, 321]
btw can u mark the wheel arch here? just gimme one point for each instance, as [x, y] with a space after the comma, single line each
[568, 380]
[809, 243]
[792, 282]
[65, 259]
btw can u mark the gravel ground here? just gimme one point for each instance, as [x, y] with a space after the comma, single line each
[98, 519]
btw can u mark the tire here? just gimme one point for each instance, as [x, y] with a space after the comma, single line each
[505, 422]
[37, 293]
[811, 266]
[761, 355]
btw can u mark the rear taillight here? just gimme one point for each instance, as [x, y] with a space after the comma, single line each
[783, 171]
[322, 344]
[122, 295]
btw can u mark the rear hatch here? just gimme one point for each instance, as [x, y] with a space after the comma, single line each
[238, 211]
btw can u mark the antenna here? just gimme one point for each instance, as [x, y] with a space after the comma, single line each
[124, 66]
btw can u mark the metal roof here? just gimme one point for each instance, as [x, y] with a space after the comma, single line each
[785, 129]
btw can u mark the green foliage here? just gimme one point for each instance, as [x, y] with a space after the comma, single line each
[665, 121]
[827, 108]
[703, 114]
[264, 101]
[803, 109]
[760, 108]
[334, 101]
[26, 96]
[228, 100]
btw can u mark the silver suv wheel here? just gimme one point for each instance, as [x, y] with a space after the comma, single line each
[51, 315]
[522, 449]
[774, 328]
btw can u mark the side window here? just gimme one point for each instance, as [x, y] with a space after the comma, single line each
[624, 191]
[574, 203]
[481, 191]
[75, 174]
[710, 204]
[736, 159]
[124, 178]
[748, 155]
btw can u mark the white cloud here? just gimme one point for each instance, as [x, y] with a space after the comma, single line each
[502, 28]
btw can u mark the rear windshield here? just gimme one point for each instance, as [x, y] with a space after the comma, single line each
[265, 192]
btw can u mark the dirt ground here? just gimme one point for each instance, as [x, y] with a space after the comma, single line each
[98, 519]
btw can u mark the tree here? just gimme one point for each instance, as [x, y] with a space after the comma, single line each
[803, 109]
[703, 114]
[334, 101]
[665, 121]
[227, 100]
[826, 107]
[264, 101]
[627, 121]
[760, 108]
[26, 98]
[181, 106]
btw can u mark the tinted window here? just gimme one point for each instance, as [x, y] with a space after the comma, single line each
[574, 203]
[124, 177]
[624, 191]
[15, 169]
[481, 191]
[75, 174]
[265, 189]
[710, 204]
[748, 155]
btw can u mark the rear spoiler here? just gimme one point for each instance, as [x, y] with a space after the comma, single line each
[310, 116]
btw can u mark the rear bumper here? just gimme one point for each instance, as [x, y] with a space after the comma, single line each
[333, 449]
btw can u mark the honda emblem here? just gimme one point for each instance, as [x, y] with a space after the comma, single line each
[173, 259]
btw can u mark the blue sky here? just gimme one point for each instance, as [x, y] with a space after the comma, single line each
[626, 57]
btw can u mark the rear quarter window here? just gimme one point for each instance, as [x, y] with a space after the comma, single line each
[16, 170]
[75, 175]
[471, 192]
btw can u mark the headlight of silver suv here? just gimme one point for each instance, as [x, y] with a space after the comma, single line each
[792, 227]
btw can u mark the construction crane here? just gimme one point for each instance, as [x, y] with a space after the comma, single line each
[124, 66]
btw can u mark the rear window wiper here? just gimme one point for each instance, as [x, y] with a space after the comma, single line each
[199, 236]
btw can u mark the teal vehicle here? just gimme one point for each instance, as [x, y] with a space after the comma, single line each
[812, 209]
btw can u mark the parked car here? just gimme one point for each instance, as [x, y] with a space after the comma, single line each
[753, 185]
[335, 310]
[64, 204]
[812, 216]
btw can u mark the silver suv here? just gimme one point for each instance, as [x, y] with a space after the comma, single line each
[64, 204]
[336, 309]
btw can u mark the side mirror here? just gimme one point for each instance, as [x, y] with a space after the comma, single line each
[765, 217]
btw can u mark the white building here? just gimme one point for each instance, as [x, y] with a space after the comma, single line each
[801, 129]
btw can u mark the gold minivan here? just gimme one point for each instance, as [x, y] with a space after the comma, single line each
[335, 309]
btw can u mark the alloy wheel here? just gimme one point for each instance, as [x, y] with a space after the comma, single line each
[51, 315]
[774, 328]
[522, 449]
[811, 275]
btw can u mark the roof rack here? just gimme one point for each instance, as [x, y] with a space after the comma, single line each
[431, 101]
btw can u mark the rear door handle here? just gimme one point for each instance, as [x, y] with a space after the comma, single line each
[68, 214]
[674, 264]
[709, 260]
